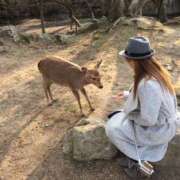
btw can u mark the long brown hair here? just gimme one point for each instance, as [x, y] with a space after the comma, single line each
[151, 68]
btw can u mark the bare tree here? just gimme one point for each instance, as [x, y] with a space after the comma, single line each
[105, 5]
[8, 7]
[90, 9]
[162, 10]
[116, 9]
[41, 6]
[126, 8]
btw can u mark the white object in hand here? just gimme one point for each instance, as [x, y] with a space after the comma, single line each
[125, 93]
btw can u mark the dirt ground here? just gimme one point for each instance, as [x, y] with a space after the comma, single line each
[31, 132]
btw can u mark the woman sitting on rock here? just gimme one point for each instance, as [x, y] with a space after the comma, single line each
[149, 120]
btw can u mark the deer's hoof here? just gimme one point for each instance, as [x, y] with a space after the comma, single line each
[54, 100]
[92, 109]
[50, 104]
[83, 115]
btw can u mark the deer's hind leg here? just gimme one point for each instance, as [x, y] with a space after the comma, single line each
[49, 91]
[46, 85]
[45, 90]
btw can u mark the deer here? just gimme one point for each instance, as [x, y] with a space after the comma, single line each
[65, 73]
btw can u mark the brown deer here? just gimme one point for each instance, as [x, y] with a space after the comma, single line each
[65, 73]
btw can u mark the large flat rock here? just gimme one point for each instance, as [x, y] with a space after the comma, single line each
[88, 142]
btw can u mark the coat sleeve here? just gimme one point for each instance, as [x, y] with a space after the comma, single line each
[150, 99]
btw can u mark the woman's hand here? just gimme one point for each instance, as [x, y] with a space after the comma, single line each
[119, 96]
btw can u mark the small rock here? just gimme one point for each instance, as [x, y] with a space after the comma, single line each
[96, 36]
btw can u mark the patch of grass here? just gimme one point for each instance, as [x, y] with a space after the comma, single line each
[99, 38]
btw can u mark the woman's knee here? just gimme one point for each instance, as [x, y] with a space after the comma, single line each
[110, 129]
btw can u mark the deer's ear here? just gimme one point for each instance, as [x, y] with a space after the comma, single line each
[98, 64]
[84, 69]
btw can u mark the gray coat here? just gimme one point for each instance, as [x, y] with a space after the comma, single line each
[154, 113]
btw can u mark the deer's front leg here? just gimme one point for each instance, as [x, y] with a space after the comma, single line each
[76, 94]
[87, 98]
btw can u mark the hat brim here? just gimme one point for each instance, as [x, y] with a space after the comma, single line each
[123, 54]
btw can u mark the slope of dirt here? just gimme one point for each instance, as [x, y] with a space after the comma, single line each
[31, 132]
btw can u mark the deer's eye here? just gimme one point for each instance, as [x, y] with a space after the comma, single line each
[94, 78]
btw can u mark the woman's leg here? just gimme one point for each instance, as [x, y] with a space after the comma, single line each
[116, 132]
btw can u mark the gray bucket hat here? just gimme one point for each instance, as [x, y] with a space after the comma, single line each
[138, 48]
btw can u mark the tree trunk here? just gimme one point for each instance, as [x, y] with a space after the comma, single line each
[116, 9]
[42, 16]
[126, 9]
[90, 9]
[105, 5]
[162, 10]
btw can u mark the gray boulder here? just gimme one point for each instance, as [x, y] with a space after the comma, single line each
[88, 142]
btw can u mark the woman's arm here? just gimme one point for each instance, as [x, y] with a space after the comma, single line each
[123, 95]
[149, 96]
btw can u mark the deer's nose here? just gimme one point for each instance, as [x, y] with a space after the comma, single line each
[101, 86]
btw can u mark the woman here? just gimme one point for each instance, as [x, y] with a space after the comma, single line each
[150, 113]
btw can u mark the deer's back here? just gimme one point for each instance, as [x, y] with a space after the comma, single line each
[60, 71]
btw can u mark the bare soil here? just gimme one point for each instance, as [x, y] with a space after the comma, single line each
[31, 132]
